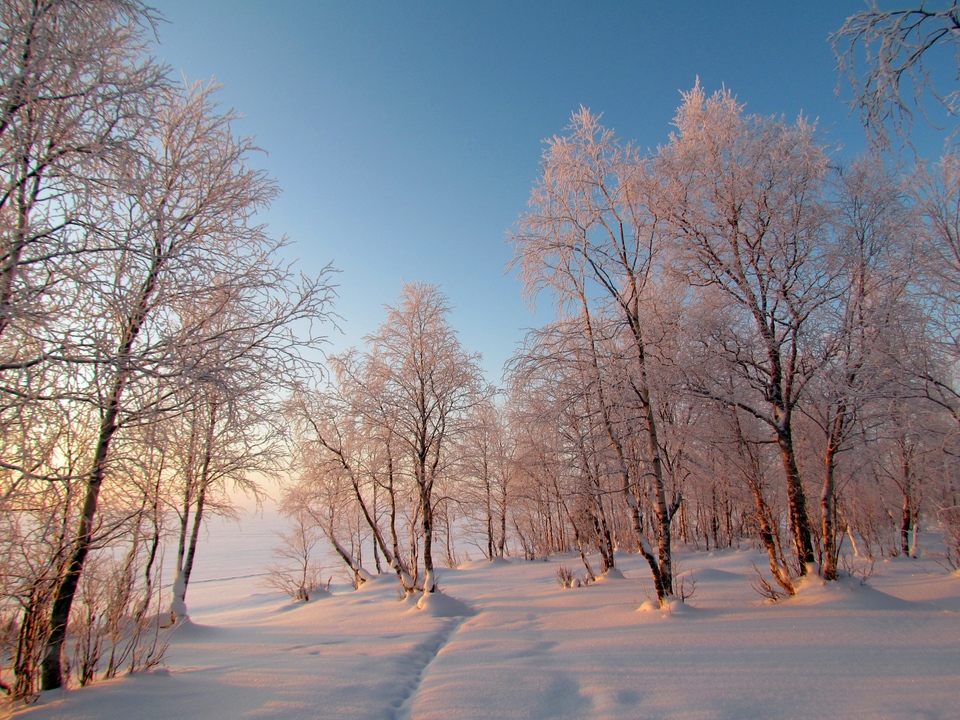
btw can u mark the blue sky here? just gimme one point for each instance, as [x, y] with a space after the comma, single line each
[406, 136]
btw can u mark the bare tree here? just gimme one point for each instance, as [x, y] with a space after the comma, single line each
[748, 210]
[131, 271]
[432, 383]
[871, 224]
[936, 192]
[227, 420]
[484, 463]
[555, 370]
[346, 448]
[299, 575]
[181, 222]
[76, 89]
[389, 425]
[594, 238]
[76, 85]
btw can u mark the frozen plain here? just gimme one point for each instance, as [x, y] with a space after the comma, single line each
[526, 648]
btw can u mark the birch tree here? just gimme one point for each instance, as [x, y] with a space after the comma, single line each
[76, 89]
[555, 371]
[347, 450]
[432, 383]
[391, 422]
[181, 223]
[747, 208]
[594, 238]
[243, 359]
[131, 270]
[871, 221]
[485, 457]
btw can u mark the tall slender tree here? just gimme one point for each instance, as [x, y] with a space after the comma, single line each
[432, 383]
[594, 238]
[747, 205]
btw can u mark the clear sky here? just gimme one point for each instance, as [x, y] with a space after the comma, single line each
[406, 136]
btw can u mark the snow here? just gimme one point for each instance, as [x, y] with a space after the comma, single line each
[503, 640]
[441, 605]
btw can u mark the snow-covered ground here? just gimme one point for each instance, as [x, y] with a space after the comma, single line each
[526, 648]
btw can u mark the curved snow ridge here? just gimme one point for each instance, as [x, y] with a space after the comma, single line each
[188, 631]
[420, 659]
[847, 594]
[709, 574]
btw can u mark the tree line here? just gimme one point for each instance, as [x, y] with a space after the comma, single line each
[775, 326]
[753, 343]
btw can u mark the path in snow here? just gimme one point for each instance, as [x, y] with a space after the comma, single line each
[419, 661]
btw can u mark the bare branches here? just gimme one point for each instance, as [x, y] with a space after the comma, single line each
[895, 60]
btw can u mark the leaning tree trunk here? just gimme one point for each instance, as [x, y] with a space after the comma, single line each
[769, 536]
[178, 605]
[52, 671]
[186, 556]
[828, 508]
[51, 667]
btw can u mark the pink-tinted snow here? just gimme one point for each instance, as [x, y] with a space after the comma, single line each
[505, 641]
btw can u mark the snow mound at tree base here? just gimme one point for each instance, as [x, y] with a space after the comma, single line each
[438, 605]
[611, 574]
[673, 608]
[845, 593]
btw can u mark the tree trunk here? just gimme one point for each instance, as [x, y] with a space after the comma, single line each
[426, 510]
[502, 540]
[489, 511]
[664, 513]
[799, 520]
[178, 605]
[828, 507]
[51, 668]
[52, 673]
[768, 532]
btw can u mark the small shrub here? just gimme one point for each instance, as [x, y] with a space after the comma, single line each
[565, 577]
[764, 587]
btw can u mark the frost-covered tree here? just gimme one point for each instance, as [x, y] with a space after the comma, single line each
[388, 427]
[849, 393]
[184, 249]
[134, 280]
[348, 457]
[594, 240]
[747, 206]
[432, 384]
[484, 477]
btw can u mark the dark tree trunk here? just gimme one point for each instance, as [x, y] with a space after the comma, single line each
[51, 668]
[797, 500]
